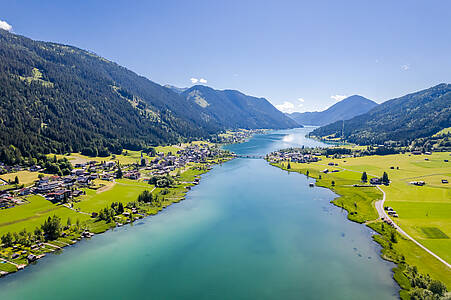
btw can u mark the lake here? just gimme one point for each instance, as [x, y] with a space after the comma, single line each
[247, 231]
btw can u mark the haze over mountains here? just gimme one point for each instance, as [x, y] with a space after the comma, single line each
[58, 98]
[343, 110]
[406, 118]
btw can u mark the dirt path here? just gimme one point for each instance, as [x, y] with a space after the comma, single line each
[106, 187]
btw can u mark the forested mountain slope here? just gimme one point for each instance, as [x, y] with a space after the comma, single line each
[234, 109]
[344, 110]
[415, 115]
[58, 98]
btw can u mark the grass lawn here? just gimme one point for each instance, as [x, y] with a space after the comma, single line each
[33, 214]
[123, 191]
[7, 267]
[25, 177]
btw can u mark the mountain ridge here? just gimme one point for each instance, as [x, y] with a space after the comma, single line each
[237, 109]
[343, 110]
[415, 115]
[58, 98]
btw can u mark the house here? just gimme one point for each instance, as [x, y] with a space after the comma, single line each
[31, 257]
[24, 191]
[77, 172]
[418, 183]
[444, 181]
[416, 152]
[59, 195]
[77, 193]
[375, 181]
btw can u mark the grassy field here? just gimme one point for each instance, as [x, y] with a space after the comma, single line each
[124, 190]
[130, 158]
[33, 214]
[25, 177]
[424, 211]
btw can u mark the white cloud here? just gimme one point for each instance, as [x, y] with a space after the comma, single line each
[196, 80]
[405, 67]
[5, 26]
[338, 97]
[289, 107]
[301, 100]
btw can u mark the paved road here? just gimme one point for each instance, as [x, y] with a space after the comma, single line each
[383, 213]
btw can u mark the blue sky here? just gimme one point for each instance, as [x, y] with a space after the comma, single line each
[301, 56]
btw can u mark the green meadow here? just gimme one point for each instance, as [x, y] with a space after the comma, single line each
[33, 214]
[25, 177]
[424, 211]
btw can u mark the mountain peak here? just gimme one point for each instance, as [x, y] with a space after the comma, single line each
[342, 110]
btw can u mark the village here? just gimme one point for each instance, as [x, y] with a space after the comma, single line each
[295, 156]
[163, 172]
[65, 188]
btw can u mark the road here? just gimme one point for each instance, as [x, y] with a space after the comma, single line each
[383, 214]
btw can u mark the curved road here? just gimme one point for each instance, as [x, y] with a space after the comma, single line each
[383, 214]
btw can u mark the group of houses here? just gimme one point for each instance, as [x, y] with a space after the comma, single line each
[62, 188]
[59, 188]
[196, 153]
[297, 157]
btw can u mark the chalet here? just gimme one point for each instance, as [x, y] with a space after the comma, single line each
[31, 257]
[375, 181]
[77, 193]
[418, 183]
[24, 191]
[82, 180]
[110, 164]
[77, 172]
[132, 175]
[35, 168]
[47, 187]
[59, 195]
[444, 181]
[416, 152]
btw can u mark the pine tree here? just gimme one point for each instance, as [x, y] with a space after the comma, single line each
[364, 177]
[385, 179]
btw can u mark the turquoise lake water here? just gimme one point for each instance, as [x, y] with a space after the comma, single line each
[247, 231]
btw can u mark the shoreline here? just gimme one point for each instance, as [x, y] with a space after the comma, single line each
[385, 235]
[52, 246]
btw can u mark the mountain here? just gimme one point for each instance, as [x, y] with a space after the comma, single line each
[175, 89]
[58, 98]
[416, 115]
[345, 109]
[234, 109]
